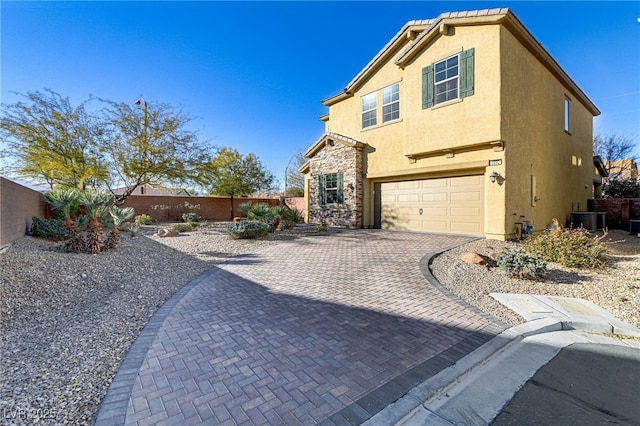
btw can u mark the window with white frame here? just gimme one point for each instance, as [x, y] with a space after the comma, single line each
[446, 80]
[391, 103]
[449, 79]
[567, 115]
[330, 188]
[369, 110]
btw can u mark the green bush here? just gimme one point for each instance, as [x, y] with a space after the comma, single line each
[183, 227]
[248, 229]
[518, 263]
[51, 229]
[244, 209]
[193, 224]
[143, 219]
[573, 248]
[621, 188]
[191, 217]
[288, 217]
[260, 212]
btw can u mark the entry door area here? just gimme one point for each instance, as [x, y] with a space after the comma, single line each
[453, 205]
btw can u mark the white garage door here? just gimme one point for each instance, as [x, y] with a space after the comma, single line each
[454, 204]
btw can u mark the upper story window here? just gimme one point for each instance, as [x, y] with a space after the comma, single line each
[448, 79]
[567, 115]
[369, 109]
[391, 103]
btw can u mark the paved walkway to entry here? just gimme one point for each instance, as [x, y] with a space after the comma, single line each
[328, 329]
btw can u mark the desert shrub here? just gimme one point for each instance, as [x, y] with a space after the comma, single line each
[521, 264]
[193, 224]
[288, 217]
[183, 227]
[574, 248]
[51, 229]
[248, 229]
[191, 217]
[260, 212]
[244, 209]
[143, 219]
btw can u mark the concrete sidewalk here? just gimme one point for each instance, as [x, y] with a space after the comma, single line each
[553, 370]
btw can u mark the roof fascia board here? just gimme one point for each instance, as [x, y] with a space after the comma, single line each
[519, 31]
[324, 139]
[434, 31]
[385, 53]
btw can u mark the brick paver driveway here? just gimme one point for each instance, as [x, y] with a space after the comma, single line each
[326, 329]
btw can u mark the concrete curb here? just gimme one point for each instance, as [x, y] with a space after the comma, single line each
[431, 401]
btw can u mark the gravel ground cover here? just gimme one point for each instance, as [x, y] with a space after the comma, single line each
[66, 320]
[615, 288]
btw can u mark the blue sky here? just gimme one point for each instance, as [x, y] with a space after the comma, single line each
[252, 74]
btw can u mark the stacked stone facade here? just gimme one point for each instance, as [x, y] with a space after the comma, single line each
[336, 157]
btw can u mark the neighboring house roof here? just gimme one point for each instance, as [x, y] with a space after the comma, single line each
[151, 190]
[597, 161]
[431, 28]
[328, 138]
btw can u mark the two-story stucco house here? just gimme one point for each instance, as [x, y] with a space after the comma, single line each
[460, 124]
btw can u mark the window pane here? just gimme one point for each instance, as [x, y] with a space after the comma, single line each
[369, 102]
[332, 196]
[369, 119]
[391, 112]
[390, 94]
[331, 181]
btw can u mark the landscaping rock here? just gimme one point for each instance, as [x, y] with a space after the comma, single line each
[474, 258]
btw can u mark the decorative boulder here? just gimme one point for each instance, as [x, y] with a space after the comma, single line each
[167, 232]
[474, 258]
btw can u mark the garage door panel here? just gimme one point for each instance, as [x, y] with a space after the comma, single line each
[453, 204]
[413, 184]
[466, 196]
[435, 197]
[465, 212]
[408, 198]
[466, 181]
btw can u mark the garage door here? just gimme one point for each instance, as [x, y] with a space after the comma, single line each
[454, 204]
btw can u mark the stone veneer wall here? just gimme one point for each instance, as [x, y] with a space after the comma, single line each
[333, 159]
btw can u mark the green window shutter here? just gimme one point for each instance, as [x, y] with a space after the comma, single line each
[466, 72]
[427, 87]
[322, 195]
[340, 189]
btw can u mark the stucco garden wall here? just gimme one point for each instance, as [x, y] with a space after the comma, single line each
[18, 205]
[170, 209]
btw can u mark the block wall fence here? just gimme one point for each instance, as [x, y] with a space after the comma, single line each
[619, 210]
[18, 205]
[170, 208]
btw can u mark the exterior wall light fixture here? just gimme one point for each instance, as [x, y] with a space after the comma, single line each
[494, 175]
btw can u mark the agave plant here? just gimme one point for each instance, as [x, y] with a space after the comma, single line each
[64, 201]
[96, 202]
[118, 215]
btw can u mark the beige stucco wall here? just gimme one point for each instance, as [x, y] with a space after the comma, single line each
[536, 143]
